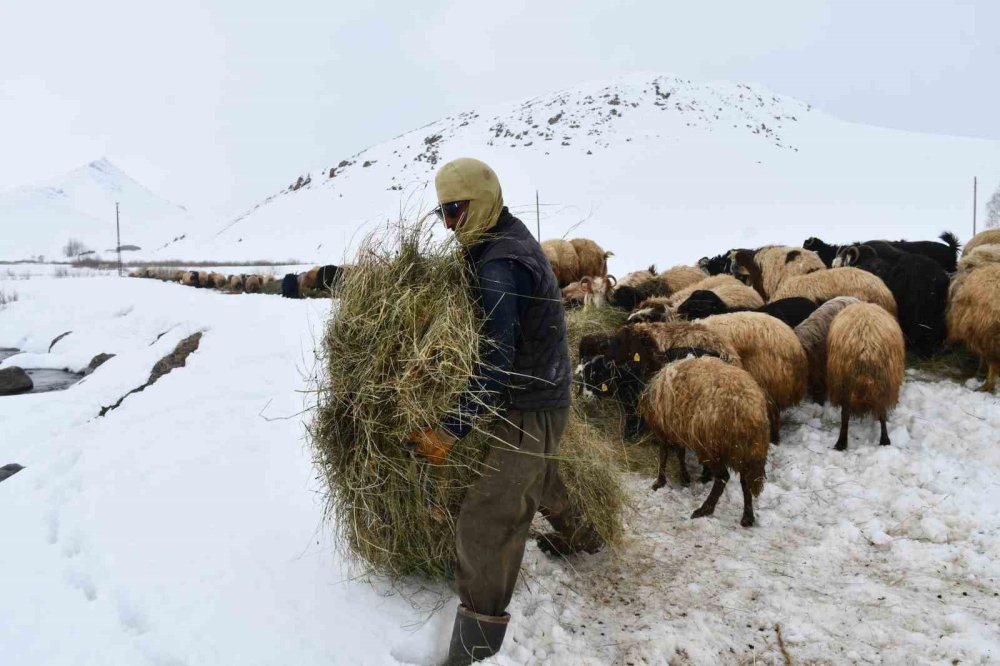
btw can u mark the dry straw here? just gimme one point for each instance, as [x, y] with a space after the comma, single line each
[399, 351]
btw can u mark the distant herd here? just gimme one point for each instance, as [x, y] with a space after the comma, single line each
[711, 354]
[317, 281]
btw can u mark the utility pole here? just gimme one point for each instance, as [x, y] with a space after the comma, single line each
[118, 246]
[538, 217]
[974, 203]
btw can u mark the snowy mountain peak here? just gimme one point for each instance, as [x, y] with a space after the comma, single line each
[80, 204]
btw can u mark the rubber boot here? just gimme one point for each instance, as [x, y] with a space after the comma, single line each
[475, 637]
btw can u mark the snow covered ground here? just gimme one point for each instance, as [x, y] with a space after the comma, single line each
[186, 526]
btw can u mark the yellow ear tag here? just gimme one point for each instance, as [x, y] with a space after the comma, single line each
[635, 358]
[604, 388]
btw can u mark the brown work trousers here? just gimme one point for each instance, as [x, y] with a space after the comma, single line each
[521, 478]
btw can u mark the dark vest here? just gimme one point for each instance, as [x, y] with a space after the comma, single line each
[541, 376]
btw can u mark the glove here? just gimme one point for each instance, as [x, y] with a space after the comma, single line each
[432, 444]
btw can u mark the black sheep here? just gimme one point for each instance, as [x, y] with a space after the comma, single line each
[876, 257]
[945, 255]
[827, 253]
[920, 286]
[717, 265]
[290, 286]
[792, 311]
[328, 277]
[627, 297]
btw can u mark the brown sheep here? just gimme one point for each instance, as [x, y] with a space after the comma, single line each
[636, 278]
[765, 269]
[719, 412]
[812, 333]
[821, 286]
[771, 354]
[236, 283]
[974, 315]
[309, 279]
[641, 351]
[987, 237]
[681, 277]
[179, 276]
[592, 260]
[190, 279]
[252, 284]
[730, 290]
[865, 364]
[574, 294]
[565, 262]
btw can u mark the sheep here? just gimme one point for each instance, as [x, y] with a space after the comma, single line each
[636, 287]
[236, 283]
[252, 284]
[328, 277]
[190, 279]
[596, 290]
[574, 294]
[865, 364]
[681, 277]
[812, 334]
[309, 279]
[713, 283]
[178, 276]
[765, 269]
[772, 355]
[827, 253]
[974, 314]
[619, 365]
[792, 311]
[944, 254]
[290, 286]
[565, 262]
[719, 412]
[821, 286]
[866, 258]
[987, 237]
[591, 257]
[720, 264]
[918, 284]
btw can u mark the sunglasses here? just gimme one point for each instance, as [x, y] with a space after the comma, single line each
[448, 209]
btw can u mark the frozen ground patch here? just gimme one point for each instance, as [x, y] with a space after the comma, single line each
[186, 528]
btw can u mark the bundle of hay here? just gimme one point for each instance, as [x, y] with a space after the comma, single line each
[401, 348]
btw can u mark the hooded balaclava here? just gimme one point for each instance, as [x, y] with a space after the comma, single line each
[467, 179]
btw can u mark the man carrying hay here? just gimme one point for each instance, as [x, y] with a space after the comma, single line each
[525, 376]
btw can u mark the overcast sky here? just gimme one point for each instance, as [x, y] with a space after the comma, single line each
[217, 104]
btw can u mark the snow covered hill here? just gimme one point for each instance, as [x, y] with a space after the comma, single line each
[40, 219]
[655, 168]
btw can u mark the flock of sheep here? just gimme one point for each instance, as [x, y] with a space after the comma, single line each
[711, 354]
[318, 279]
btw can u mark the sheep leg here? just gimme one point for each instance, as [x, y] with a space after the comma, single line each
[706, 474]
[661, 477]
[708, 508]
[884, 439]
[842, 439]
[991, 379]
[682, 464]
[774, 417]
[748, 519]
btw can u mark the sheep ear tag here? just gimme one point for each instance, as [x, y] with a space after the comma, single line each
[635, 359]
[604, 388]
